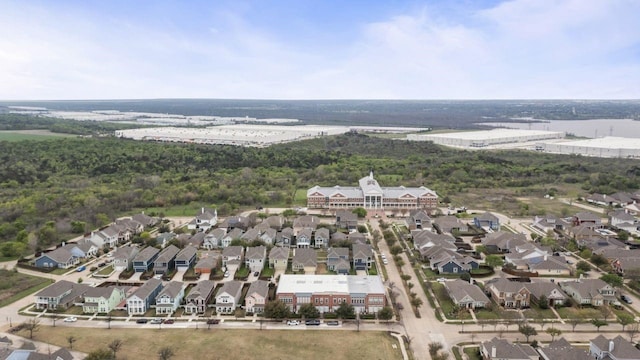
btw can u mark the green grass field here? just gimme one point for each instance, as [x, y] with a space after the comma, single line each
[20, 135]
[14, 286]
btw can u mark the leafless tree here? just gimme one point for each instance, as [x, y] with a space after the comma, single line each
[166, 353]
[71, 339]
[115, 346]
[31, 326]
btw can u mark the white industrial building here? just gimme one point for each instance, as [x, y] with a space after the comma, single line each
[487, 138]
[608, 147]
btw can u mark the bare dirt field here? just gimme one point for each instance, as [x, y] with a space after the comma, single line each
[225, 344]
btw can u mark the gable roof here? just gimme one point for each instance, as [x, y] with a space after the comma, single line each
[187, 253]
[146, 254]
[232, 251]
[59, 255]
[279, 253]
[362, 251]
[259, 287]
[322, 233]
[147, 288]
[172, 289]
[256, 253]
[508, 351]
[232, 288]
[203, 289]
[562, 350]
[622, 349]
[460, 289]
[168, 254]
[305, 257]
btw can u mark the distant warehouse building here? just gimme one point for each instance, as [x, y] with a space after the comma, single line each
[607, 147]
[327, 292]
[371, 196]
[486, 138]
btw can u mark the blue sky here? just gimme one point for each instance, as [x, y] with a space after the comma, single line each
[304, 49]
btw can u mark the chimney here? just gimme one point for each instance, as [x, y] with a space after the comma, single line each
[610, 346]
[493, 352]
[202, 210]
[545, 257]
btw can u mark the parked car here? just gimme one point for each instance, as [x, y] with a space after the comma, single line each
[141, 321]
[333, 323]
[256, 274]
[312, 322]
[169, 321]
[293, 322]
[81, 268]
[71, 319]
[626, 299]
[156, 321]
[226, 274]
[213, 321]
[441, 280]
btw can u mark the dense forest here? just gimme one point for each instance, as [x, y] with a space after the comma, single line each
[51, 189]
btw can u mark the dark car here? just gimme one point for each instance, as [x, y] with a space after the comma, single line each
[626, 299]
[168, 321]
[333, 323]
[141, 321]
[213, 321]
[312, 322]
[257, 273]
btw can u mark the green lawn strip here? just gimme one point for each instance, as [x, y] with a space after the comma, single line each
[538, 313]
[107, 270]
[473, 353]
[579, 313]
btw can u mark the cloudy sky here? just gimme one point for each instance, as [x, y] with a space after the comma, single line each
[320, 49]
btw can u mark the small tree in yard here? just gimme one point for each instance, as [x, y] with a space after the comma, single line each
[583, 266]
[386, 313]
[115, 346]
[598, 323]
[612, 279]
[625, 319]
[309, 311]
[527, 330]
[31, 326]
[553, 332]
[494, 261]
[633, 330]
[276, 310]
[416, 302]
[71, 339]
[345, 311]
[574, 322]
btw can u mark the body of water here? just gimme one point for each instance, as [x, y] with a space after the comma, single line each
[587, 128]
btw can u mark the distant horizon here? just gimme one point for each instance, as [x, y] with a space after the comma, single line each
[319, 50]
[319, 99]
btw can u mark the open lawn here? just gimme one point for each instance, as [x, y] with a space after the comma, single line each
[19, 135]
[235, 344]
[586, 313]
[14, 286]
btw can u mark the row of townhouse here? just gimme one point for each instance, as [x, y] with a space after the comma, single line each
[161, 261]
[600, 348]
[70, 254]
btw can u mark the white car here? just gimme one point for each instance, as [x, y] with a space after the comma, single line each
[71, 319]
[293, 322]
[226, 274]
[441, 280]
[384, 261]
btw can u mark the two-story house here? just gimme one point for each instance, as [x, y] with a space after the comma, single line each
[338, 260]
[617, 348]
[199, 297]
[362, 256]
[346, 219]
[169, 298]
[305, 260]
[204, 221]
[143, 261]
[144, 297]
[322, 238]
[593, 292]
[303, 239]
[278, 258]
[165, 262]
[234, 234]
[103, 299]
[233, 255]
[487, 221]
[213, 240]
[228, 297]
[60, 295]
[419, 219]
[257, 296]
[510, 294]
[186, 258]
[123, 257]
[255, 258]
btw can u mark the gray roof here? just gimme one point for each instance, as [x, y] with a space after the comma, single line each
[171, 290]
[279, 253]
[256, 253]
[202, 289]
[236, 233]
[260, 287]
[124, 252]
[562, 350]
[338, 252]
[306, 221]
[232, 251]
[232, 288]
[305, 257]
[209, 262]
[362, 251]
[322, 233]
[622, 349]
[338, 236]
[146, 254]
[60, 255]
[251, 234]
[587, 288]
[187, 253]
[275, 221]
[60, 287]
[147, 288]
[196, 240]
[144, 219]
[587, 216]
[168, 254]
[508, 351]
[487, 217]
[104, 292]
[459, 289]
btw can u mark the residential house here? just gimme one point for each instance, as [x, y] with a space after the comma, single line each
[617, 199]
[213, 240]
[255, 258]
[425, 239]
[338, 238]
[550, 265]
[305, 222]
[286, 237]
[143, 261]
[103, 299]
[561, 350]
[278, 258]
[123, 257]
[204, 221]
[83, 248]
[362, 256]
[487, 221]
[32, 354]
[127, 228]
[502, 349]
[593, 292]
[322, 238]
[617, 348]
[303, 239]
[110, 236]
[233, 255]
[509, 294]
[199, 297]
[235, 222]
[357, 238]
[196, 240]
[549, 223]
[338, 260]
[625, 265]
[623, 220]
[269, 236]
[60, 295]
[453, 263]
[257, 296]
[346, 219]
[503, 242]
[251, 235]
[163, 238]
[305, 260]
[58, 258]
[549, 290]
[165, 262]
[466, 295]
[276, 222]
[228, 297]
[450, 224]
[207, 263]
[169, 298]
[234, 234]
[144, 297]
[186, 258]
[419, 219]
[595, 243]
[145, 220]
[326, 292]
[586, 217]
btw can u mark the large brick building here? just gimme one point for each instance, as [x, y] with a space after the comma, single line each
[327, 292]
[371, 196]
